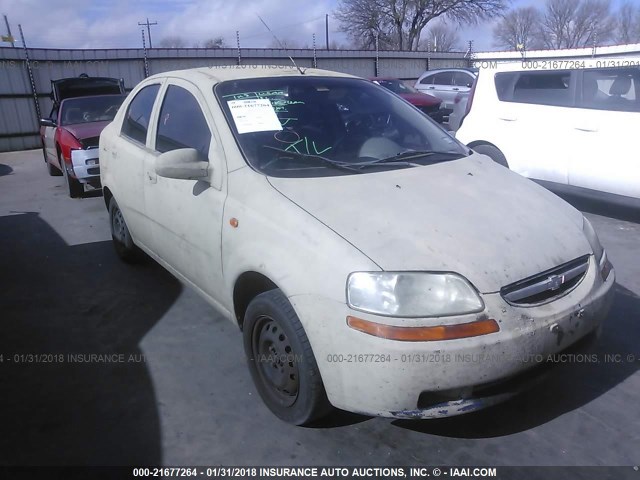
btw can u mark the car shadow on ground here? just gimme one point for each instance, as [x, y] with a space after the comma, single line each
[60, 305]
[5, 170]
[567, 387]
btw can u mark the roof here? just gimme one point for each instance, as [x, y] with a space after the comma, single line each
[217, 74]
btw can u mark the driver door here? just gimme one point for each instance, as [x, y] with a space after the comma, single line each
[186, 215]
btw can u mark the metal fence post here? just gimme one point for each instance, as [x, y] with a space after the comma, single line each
[30, 72]
[146, 62]
[315, 58]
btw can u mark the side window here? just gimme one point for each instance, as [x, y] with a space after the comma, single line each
[443, 78]
[611, 89]
[504, 85]
[428, 80]
[136, 120]
[461, 79]
[182, 123]
[541, 88]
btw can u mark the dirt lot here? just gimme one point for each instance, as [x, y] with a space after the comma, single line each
[171, 386]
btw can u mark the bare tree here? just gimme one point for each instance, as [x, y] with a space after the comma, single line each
[627, 20]
[217, 42]
[401, 22]
[518, 29]
[172, 41]
[440, 37]
[576, 23]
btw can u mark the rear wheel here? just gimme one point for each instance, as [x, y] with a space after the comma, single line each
[76, 189]
[495, 154]
[281, 361]
[122, 241]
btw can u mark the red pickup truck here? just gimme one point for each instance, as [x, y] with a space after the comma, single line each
[82, 107]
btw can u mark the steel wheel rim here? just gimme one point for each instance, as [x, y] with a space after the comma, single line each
[118, 225]
[275, 361]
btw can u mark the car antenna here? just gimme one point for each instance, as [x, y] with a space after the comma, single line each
[301, 70]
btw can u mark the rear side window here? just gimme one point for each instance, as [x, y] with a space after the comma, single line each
[182, 123]
[541, 88]
[136, 120]
[428, 80]
[611, 89]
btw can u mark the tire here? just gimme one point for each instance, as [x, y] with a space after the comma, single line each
[492, 152]
[53, 171]
[122, 241]
[76, 189]
[281, 361]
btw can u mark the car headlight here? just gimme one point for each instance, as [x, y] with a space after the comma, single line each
[599, 253]
[412, 294]
[593, 239]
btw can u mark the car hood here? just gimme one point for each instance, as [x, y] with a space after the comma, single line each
[421, 99]
[86, 130]
[469, 216]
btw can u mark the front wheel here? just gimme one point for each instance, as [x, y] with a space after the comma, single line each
[281, 361]
[76, 189]
[492, 152]
[53, 171]
[122, 241]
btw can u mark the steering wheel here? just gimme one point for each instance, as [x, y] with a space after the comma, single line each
[86, 116]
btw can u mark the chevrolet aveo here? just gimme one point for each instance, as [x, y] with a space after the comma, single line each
[372, 262]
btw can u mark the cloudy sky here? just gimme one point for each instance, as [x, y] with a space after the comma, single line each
[114, 23]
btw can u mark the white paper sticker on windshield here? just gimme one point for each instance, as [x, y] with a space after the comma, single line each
[254, 115]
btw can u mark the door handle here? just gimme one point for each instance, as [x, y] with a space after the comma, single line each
[587, 129]
[508, 119]
[455, 88]
[432, 88]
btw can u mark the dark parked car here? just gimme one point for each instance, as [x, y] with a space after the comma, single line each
[427, 103]
[82, 107]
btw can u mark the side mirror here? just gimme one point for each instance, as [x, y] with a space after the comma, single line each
[182, 164]
[47, 122]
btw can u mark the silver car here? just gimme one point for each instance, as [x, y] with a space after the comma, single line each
[446, 83]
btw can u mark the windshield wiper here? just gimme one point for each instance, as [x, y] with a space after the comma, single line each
[327, 161]
[411, 154]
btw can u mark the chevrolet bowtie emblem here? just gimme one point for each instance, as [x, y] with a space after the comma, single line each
[554, 282]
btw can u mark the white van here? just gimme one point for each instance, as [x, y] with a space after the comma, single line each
[570, 124]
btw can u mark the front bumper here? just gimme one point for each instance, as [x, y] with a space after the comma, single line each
[86, 166]
[374, 376]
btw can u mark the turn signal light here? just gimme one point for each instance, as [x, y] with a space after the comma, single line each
[424, 334]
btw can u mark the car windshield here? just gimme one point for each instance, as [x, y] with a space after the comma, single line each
[319, 126]
[90, 109]
[396, 86]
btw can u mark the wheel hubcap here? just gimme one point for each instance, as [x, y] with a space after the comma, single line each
[118, 225]
[275, 360]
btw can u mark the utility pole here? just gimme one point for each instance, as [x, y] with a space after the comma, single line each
[9, 37]
[326, 29]
[148, 25]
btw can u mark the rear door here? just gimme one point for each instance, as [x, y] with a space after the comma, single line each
[443, 88]
[186, 215]
[127, 158]
[604, 130]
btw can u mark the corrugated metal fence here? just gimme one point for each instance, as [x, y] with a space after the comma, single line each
[18, 119]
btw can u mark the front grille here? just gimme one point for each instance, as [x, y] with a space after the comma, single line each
[547, 285]
[93, 171]
[90, 142]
